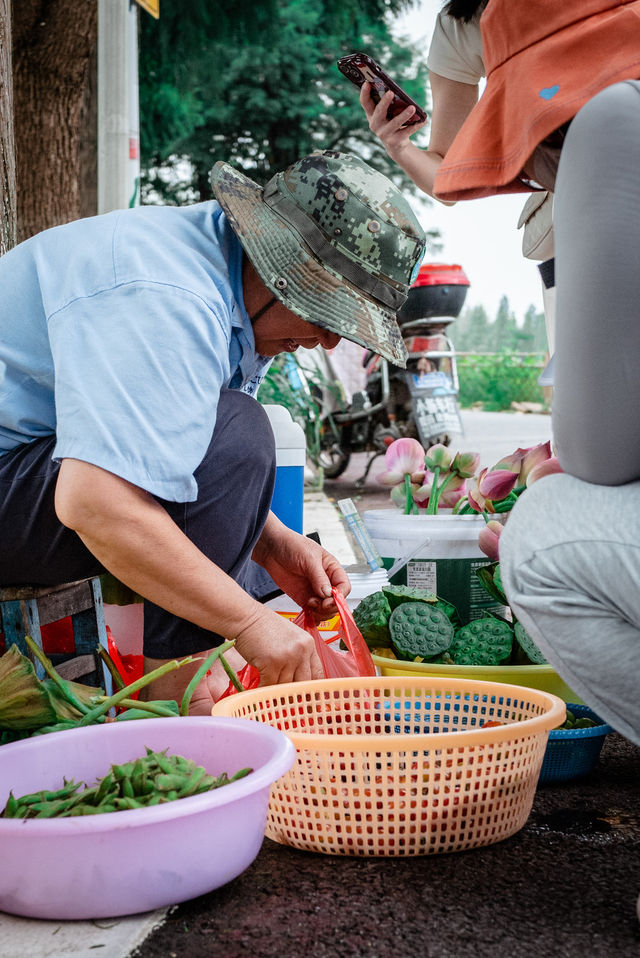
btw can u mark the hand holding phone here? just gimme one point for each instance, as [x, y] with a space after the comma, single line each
[360, 68]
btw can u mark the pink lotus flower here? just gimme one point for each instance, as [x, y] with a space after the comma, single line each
[496, 484]
[545, 468]
[403, 457]
[532, 458]
[489, 539]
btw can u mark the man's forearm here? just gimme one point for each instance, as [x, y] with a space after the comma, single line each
[138, 542]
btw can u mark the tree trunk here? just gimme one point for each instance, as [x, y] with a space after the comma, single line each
[88, 147]
[7, 145]
[53, 44]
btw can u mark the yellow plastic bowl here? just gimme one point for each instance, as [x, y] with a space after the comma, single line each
[403, 766]
[532, 676]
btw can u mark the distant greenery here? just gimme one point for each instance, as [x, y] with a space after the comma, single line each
[497, 379]
[474, 332]
[286, 385]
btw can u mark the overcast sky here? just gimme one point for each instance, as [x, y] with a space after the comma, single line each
[481, 235]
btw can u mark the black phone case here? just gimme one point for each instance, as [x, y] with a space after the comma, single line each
[360, 68]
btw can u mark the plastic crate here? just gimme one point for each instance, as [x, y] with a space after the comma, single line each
[573, 752]
[403, 766]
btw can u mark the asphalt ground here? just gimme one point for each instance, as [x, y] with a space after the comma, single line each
[565, 886]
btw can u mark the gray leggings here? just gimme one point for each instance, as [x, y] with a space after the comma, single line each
[596, 401]
[570, 551]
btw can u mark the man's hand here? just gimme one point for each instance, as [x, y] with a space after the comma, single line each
[302, 568]
[280, 650]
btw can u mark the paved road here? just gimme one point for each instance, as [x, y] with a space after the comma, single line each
[492, 434]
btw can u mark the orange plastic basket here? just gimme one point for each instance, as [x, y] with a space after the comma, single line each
[402, 766]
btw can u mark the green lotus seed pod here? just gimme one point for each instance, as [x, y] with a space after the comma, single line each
[372, 615]
[397, 594]
[450, 611]
[486, 641]
[419, 630]
[528, 646]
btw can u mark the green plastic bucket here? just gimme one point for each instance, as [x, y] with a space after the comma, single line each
[443, 556]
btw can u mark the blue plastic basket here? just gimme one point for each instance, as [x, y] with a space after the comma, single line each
[572, 752]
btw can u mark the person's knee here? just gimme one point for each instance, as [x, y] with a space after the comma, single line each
[539, 521]
[242, 436]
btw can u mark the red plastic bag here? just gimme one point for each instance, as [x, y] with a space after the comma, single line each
[338, 663]
[249, 678]
[130, 667]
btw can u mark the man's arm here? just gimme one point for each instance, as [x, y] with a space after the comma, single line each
[301, 567]
[138, 542]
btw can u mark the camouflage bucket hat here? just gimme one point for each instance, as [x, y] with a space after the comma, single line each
[334, 240]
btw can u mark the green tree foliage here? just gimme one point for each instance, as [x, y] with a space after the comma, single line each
[502, 332]
[257, 85]
[470, 331]
[474, 332]
[533, 335]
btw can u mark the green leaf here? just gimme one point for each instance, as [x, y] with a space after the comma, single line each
[486, 574]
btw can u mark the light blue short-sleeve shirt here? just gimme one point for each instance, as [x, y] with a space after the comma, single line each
[117, 334]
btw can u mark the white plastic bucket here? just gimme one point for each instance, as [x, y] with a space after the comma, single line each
[444, 555]
[291, 454]
[364, 584]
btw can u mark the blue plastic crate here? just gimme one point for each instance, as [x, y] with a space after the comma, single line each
[571, 753]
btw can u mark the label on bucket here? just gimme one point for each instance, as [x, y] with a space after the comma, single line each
[452, 579]
[422, 575]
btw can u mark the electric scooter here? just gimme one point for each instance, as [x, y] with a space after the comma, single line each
[420, 401]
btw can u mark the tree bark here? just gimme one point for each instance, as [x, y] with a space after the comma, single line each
[53, 44]
[7, 144]
[88, 147]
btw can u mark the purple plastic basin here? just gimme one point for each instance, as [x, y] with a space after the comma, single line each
[125, 862]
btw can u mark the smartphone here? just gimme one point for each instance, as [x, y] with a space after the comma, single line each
[360, 68]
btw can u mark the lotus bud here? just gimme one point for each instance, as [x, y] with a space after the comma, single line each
[454, 489]
[511, 463]
[403, 457]
[477, 501]
[546, 468]
[438, 457]
[422, 493]
[532, 458]
[489, 539]
[497, 484]
[466, 464]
